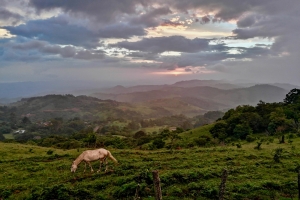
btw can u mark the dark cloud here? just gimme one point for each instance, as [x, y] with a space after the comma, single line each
[56, 30]
[40, 47]
[121, 30]
[104, 11]
[170, 23]
[247, 20]
[150, 19]
[8, 15]
[143, 55]
[163, 44]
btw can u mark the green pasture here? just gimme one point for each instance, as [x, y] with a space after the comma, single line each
[152, 129]
[33, 172]
[9, 136]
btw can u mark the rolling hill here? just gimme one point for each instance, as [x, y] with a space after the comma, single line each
[200, 96]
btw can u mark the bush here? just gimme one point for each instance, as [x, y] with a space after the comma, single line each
[158, 143]
[50, 152]
[278, 154]
[200, 141]
[238, 145]
[250, 138]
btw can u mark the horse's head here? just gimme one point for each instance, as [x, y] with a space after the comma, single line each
[73, 167]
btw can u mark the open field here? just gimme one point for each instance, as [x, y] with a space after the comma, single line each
[8, 136]
[32, 172]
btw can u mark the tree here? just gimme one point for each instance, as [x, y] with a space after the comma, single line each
[158, 143]
[219, 130]
[25, 121]
[139, 134]
[241, 131]
[5, 129]
[12, 120]
[172, 135]
[292, 97]
[91, 139]
[214, 115]
[133, 125]
[2, 137]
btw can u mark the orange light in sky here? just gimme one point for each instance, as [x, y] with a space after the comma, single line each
[175, 72]
[183, 71]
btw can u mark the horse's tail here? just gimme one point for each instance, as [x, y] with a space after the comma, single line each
[111, 157]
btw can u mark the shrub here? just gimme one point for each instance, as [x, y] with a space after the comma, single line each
[278, 154]
[200, 141]
[258, 146]
[158, 143]
[50, 152]
[250, 138]
[238, 145]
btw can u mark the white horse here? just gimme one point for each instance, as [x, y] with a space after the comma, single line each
[92, 155]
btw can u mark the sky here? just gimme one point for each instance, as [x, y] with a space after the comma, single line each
[150, 41]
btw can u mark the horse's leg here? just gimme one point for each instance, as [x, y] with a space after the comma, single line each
[99, 166]
[90, 166]
[106, 166]
[84, 167]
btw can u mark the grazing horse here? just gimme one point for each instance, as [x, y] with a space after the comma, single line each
[92, 155]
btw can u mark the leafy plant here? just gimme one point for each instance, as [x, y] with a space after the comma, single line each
[278, 154]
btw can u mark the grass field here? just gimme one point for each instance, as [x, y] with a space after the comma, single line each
[32, 172]
[8, 136]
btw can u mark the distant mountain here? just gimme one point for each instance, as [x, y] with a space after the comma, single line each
[69, 106]
[139, 88]
[188, 106]
[148, 101]
[39, 88]
[10, 92]
[90, 108]
[219, 98]
[186, 84]
[286, 86]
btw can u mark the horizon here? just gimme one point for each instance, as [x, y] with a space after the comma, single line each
[17, 90]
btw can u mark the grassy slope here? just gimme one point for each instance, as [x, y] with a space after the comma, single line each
[8, 136]
[187, 173]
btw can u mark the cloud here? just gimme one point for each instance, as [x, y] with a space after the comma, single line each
[56, 30]
[37, 48]
[104, 11]
[150, 19]
[121, 30]
[163, 44]
[8, 15]
[164, 34]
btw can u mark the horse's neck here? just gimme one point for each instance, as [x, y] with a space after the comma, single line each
[78, 160]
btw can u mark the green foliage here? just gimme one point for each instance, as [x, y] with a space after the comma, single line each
[50, 152]
[238, 145]
[293, 96]
[187, 174]
[258, 146]
[275, 118]
[2, 137]
[4, 129]
[278, 153]
[241, 131]
[139, 134]
[158, 143]
[250, 138]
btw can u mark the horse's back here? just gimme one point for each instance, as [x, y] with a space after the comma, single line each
[91, 155]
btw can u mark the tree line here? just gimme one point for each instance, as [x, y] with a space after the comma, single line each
[245, 121]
